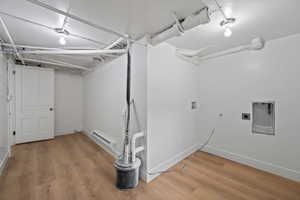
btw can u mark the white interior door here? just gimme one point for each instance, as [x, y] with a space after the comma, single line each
[34, 104]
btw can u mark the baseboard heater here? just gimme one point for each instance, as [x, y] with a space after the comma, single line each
[102, 138]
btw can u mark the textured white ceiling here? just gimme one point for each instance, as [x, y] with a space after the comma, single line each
[265, 18]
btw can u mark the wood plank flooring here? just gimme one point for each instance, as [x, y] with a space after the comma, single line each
[74, 168]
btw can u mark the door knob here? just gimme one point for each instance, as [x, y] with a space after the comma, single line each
[51, 109]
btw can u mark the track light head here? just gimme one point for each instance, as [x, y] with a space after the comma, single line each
[62, 31]
[226, 24]
[63, 34]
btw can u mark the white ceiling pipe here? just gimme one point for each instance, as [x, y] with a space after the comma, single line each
[76, 52]
[187, 59]
[47, 48]
[61, 64]
[44, 5]
[190, 53]
[65, 63]
[200, 17]
[11, 40]
[50, 28]
[114, 43]
[255, 45]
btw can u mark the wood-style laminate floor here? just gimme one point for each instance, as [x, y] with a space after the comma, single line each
[74, 168]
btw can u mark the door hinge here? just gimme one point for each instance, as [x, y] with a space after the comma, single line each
[14, 133]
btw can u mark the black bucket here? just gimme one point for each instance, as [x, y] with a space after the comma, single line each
[127, 174]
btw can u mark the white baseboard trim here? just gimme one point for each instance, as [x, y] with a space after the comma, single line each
[60, 133]
[258, 164]
[3, 163]
[100, 144]
[171, 162]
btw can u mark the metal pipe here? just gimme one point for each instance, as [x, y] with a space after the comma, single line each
[61, 64]
[11, 40]
[76, 52]
[44, 5]
[128, 103]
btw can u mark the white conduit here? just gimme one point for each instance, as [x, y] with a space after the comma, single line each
[75, 52]
[44, 5]
[47, 48]
[57, 63]
[51, 28]
[200, 17]
[255, 45]
[11, 40]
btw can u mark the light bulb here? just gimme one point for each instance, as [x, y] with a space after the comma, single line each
[227, 32]
[62, 41]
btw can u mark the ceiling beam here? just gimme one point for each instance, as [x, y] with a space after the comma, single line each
[74, 17]
[11, 41]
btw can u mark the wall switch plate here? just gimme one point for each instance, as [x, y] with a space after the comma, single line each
[246, 116]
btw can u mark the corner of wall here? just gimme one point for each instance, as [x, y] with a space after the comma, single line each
[4, 162]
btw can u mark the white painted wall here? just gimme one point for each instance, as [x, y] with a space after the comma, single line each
[225, 85]
[229, 84]
[104, 99]
[172, 124]
[68, 102]
[104, 96]
[3, 110]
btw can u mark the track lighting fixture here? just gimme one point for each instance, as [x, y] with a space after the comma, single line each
[227, 22]
[63, 34]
